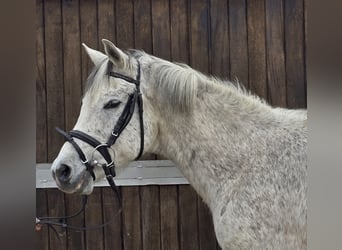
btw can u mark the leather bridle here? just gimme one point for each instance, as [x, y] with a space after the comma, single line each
[120, 125]
[109, 167]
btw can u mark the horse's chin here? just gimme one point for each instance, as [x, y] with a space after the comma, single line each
[83, 185]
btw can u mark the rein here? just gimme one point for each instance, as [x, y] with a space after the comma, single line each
[102, 148]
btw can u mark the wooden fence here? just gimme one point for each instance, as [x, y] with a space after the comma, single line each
[259, 42]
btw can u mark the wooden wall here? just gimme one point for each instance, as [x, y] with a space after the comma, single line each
[259, 42]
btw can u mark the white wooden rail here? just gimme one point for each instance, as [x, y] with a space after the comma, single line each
[137, 173]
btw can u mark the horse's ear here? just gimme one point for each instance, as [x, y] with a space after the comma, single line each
[95, 56]
[115, 55]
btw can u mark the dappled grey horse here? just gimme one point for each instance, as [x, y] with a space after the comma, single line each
[245, 159]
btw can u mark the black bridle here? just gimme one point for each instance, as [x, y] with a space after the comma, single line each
[109, 167]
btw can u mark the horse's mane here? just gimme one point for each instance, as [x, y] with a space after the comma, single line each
[177, 83]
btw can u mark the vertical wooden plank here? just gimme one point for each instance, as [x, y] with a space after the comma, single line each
[143, 36]
[219, 28]
[207, 238]
[275, 52]
[150, 214]
[54, 76]
[238, 41]
[200, 60]
[93, 216]
[89, 34]
[295, 58]
[142, 25]
[41, 129]
[131, 218]
[161, 29]
[199, 46]
[72, 62]
[169, 218]
[188, 218]
[257, 47]
[106, 21]
[112, 232]
[73, 203]
[42, 237]
[56, 207]
[124, 24]
[179, 26]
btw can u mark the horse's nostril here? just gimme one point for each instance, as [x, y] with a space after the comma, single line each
[63, 172]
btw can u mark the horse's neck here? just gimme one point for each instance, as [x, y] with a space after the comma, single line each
[211, 144]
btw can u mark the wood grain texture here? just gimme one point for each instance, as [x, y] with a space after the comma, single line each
[93, 217]
[276, 78]
[113, 232]
[132, 218]
[150, 215]
[199, 43]
[169, 218]
[42, 236]
[41, 129]
[143, 25]
[76, 240]
[124, 24]
[207, 238]
[161, 29]
[56, 207]
[106, 24]
[261, 42]
[89, 35]
[219, 28]
[179, 26]
[295, 54]
[54, 76]
[188, 218]
[71, 62]
[238, 42]
[257, 47]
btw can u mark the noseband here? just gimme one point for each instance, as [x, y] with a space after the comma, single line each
[102, 148]
[124, 119]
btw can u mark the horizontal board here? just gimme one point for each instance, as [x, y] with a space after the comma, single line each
[137, 173]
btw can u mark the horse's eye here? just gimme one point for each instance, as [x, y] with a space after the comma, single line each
[112, 104]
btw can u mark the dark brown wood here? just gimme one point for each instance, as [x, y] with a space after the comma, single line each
[106, 21]
[295, 57]
[56, 207]
[179, 26]
[41, 129]
[238, 42]
[76, 240]
[161, 29]
[207, 238]
[219, 28]
[132, 218]
[275, 52]
[188, 218]
[143, 36]
[142, 25]
[42, 236]
[112, 232]
[54, 76]
[257, 47]
[124, 24]
[71, 62]
[169, 218]
[261, 42]
[150, 215]
[89, 36]
[199, 44]
[93, 216]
